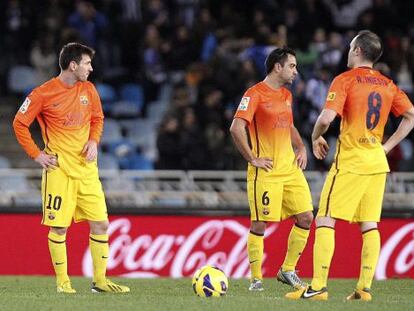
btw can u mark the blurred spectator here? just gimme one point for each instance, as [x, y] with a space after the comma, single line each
[194, 58]
[16, 34]
[332, 55]
[153, 64]
[316, 91]
[403, 65]
[89, 22]
[193, 143]
[182, 51]
[187, 11]
[345, 12]
[43, 58]
[169, 148]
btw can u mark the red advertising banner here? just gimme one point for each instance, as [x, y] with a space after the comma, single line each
[175, 246]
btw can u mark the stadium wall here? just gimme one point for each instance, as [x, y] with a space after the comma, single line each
[175, 246]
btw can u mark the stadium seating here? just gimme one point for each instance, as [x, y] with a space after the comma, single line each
[125, 109]
[4, 162]
[21, 79]
[111, 132]
[132, 92]
[107, 94]
[107, 161]
[136, 162]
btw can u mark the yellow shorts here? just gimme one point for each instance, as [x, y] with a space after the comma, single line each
[352, 197]
[275, 201]
[65, 198]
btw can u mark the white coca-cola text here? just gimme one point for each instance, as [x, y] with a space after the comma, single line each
[146, 255]
[404, 260]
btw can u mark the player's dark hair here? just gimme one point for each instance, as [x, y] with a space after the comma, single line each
[73, 52]
[370, 45]
[278, 55]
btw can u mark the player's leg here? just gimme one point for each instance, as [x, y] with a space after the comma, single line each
[297, 201]
[323, 250]
[368, 215]
[339, 200]
[92, 207]
[57, 250]
[265, 205]
[371, 245]
[58, 208]
[99, 246]
[255, 248]
[297, 240]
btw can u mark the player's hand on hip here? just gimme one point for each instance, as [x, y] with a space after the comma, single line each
[90, 150]
[301, 157]
[264, 163]
[47, 161]
[320, 148]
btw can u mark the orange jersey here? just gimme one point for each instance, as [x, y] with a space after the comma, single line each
[268, 113]
[68, 116]
[363, 97]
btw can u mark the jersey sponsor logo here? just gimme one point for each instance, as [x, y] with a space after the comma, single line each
[331, 96]
[367, 140]
[244, 103]
[25, 105]
[73, 119]
[84, 99]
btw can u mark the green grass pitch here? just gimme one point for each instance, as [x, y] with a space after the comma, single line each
[38, 293]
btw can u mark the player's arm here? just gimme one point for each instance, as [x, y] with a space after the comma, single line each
[319, 145]
[301, 157]
[22, 121]
[404, 128]
[90, 150]
[334, 105]
[239, 135]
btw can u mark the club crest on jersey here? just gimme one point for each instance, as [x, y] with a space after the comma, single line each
[331, 96]
[84, 99]
[244, 103]
[288, 104]
[25, 105]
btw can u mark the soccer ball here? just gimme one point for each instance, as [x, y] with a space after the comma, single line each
[210, 281]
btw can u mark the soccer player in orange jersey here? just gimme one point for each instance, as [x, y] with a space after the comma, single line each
[355, 185]
[277, 188]
[69, 112]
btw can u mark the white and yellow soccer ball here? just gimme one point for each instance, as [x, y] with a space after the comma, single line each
[210, 281]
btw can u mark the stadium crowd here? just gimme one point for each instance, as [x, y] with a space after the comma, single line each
[197, 57]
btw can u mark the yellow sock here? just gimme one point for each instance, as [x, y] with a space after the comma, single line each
[98, 244]
[57, 249]
[255, 253]
[323, 250]
[296, 243]
[369, 257]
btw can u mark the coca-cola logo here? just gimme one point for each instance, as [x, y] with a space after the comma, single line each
[404, 260]
[146, 256]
